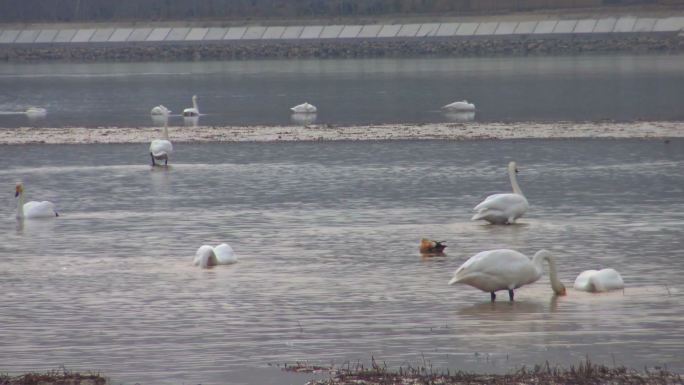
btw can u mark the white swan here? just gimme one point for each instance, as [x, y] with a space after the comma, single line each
[504, 269]
[304, 108]
[503, 208]
[160, 110]
[161, 148]
[207, 256]
[33, 209]
[194, 110]
[35, 112]
[599, 280]
[462, 105]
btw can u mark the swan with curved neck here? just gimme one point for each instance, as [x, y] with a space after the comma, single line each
[503, 208]
[504, 269]
[160, 149]
[207, 256]
[194, 110]
[596, 281]
[160, 110]
[32, 209]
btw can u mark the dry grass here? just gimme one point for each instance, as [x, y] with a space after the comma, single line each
[54, 377]
[586, 373]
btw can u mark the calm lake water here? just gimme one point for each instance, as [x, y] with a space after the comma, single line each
[329, 271]
[573, 88]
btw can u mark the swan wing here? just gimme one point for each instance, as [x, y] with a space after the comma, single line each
[501, 208]
[225, 254]
[42, 209]
[501, 202]
[190, 112]
[608, 279]
[598, 281]
[494, 270]
[205, 257]
[161, 146]
[582, 282]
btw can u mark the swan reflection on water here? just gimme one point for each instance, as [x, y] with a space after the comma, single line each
[459, 116]
[191, 121]
[35, 113]
[303, 118]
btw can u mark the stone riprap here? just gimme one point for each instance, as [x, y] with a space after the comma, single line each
[485, 37]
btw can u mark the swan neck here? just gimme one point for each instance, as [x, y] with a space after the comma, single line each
[20, 206]
[166, 131]
[556, 284]
[514, 181]
[194, 104]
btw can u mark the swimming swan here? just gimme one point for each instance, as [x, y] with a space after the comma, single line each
[304, 108]
[160, 110]
[599, 280]
[36, 112]
[503, 208]
[207, 256]
[504, 269]
[194, 110]
[33, 209]
[462, 105]
[161, 148]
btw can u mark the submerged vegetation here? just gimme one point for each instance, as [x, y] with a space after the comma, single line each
[586, 373]
[54, 377]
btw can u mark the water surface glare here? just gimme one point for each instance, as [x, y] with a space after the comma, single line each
[329, 271]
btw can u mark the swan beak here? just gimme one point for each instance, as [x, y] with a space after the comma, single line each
[18, 190]
[562, 292]
[516, 170]
[16, 194]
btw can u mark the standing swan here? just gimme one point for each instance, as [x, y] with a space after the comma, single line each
[207, 256]
[161, 148]
[503, 208]
[194, 110]
[504, 269]
[33, 209]
[596, 281]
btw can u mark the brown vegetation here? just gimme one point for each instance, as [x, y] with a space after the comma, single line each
[585, 373]
[55, 377]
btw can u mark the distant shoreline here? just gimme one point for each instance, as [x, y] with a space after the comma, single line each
[432, 131]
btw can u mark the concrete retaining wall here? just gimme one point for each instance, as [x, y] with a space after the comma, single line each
[616, 25]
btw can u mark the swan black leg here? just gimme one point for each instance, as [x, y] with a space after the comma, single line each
[510, 295]
[493, 296]
[152, 156]
[166, 161]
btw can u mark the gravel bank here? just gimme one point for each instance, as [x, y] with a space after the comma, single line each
[443, 131]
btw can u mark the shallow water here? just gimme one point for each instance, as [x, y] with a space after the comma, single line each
[329, 271]
[347, 92]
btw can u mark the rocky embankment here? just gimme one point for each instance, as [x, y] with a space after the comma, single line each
[482, 46]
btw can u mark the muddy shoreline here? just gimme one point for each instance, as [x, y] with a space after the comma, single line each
[436, 131]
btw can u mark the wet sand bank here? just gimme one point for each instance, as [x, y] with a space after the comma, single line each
[442, 131]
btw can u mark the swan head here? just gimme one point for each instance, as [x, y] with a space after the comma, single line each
[559, 289]
[512, 167]
[19, 189]
[194, 98]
